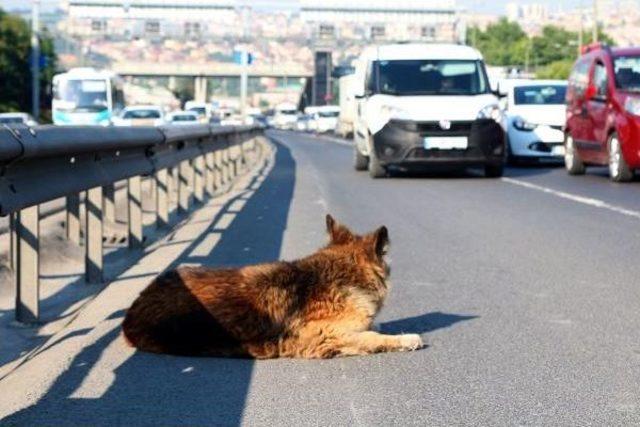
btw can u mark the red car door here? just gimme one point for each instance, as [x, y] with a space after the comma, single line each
[596, 104]
[577, 104]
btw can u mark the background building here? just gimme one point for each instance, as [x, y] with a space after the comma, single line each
[151, 18]
[384, 20]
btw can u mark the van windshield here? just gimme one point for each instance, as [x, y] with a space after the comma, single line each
[627, 70]
[428, 77]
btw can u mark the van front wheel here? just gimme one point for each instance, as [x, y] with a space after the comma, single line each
[376, 170]
[360, 161]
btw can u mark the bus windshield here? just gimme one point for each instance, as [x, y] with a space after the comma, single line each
[82, 95]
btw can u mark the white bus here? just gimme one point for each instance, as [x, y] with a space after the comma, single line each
[84, 96]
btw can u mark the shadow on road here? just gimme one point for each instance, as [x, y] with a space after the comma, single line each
[147, 389]
[150, 389]
[424, 323]
[256, 233]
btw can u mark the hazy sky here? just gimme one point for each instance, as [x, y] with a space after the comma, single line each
[496, 6]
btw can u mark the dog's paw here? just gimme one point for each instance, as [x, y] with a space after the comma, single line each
[411, 342]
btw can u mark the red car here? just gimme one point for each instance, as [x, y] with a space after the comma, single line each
[603, 111]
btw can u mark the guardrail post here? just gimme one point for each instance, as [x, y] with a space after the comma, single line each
[162, 198]
[184, 187]
[226, 158]
[239, 154]
[13, 242]
[93, 233]
[134, 198]
[210, 174]
[219, 168]
[243, 154]
[73, 218]
[109, 192]
[198, 183]
[174, 179]
[27, 265]
[153, 194]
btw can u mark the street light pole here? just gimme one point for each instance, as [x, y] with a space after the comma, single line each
[581, 31]
[35, 58]
[244, 62]
[595, 22]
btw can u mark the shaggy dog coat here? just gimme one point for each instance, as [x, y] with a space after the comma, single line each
[321, 306]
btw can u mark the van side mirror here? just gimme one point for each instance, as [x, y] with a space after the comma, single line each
[499, 94]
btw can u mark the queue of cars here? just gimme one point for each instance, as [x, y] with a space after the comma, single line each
[193, 113]
[432, 105]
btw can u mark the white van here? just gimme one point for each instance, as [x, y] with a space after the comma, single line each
[426, 105]
[286, 116]
[347, 106]
[324, 118]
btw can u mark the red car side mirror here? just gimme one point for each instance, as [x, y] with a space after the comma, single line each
[591, 92]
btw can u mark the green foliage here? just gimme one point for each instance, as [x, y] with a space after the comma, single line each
[602, 37]
[15, 69]
[555, 70]
[506, 44]
[502, 43]
[554, 44]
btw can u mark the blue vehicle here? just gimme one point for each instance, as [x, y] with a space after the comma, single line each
[85, 96]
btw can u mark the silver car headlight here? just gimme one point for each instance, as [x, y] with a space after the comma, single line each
[523, 125]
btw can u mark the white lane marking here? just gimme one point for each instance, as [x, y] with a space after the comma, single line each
[596, 203]
[330, 139]
[338, 141]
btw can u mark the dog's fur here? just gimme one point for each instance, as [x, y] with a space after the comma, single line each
[321, 306]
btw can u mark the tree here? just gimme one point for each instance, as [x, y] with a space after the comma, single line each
[15, 67]
[554, 44]
[502, 43]
[506, 44]
[556, 70]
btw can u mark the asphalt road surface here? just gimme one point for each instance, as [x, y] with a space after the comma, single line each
[526, 290]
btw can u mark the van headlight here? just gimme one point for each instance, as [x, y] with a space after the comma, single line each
[521, 124]
[392, 112]
[632, 105]
[491, 111]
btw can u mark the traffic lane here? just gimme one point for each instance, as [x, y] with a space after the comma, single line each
[552, 177]
[530, 314]
[595, 184]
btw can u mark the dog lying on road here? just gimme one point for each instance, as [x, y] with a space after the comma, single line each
[321, 306]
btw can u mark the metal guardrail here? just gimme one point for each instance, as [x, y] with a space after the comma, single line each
[45, 163]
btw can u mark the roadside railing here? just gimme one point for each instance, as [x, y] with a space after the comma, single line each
[45, 163]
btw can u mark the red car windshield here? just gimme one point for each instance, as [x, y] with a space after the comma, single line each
[627, 70]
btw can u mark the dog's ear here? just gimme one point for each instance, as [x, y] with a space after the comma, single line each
[338, 233]
[381, 241]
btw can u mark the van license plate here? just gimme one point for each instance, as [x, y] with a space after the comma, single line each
[446, 143]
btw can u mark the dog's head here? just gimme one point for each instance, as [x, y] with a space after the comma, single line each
[368, 250]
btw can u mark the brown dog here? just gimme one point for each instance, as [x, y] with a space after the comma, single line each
[321, 306]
